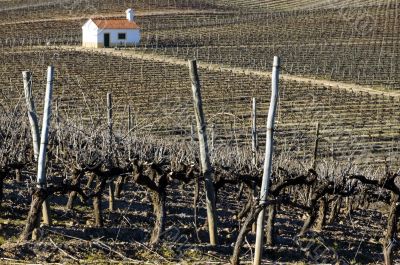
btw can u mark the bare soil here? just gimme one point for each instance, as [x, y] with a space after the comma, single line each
[73, 239]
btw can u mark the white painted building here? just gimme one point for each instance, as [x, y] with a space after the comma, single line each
[111, 32]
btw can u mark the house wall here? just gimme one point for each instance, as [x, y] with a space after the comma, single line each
[94, 38]
[90, 34]
[132, 37]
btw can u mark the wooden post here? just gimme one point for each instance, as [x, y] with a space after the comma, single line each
[110, 135]
[204, 153]
[254, 144]
[44, 138]
[110, 125]
[212, 137]
[314, 162]
[129, 133]
[316, 146]
[267, 162]
[191, 132]
[58, 132]
[33, 119]
[254, 147]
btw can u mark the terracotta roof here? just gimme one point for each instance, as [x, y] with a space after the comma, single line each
[117, 23]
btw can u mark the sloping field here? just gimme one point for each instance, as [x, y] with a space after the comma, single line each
[42, 9]
[333, 197]
[360, 47]
[355, 45]
[287, 5]
[358, 125]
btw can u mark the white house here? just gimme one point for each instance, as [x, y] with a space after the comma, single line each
[111, 32]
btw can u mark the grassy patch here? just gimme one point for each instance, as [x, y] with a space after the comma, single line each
[15, 222]
[2, 240]
[194, 254]
[96, 258]
[167, 252]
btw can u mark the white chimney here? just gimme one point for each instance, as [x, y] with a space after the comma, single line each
[130, 14]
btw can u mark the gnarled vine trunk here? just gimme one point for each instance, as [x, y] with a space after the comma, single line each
[391, 230]
[335, 209]
[323, 209]
[18, 175]
[270, 231]
[156, 183]
[71, 199]
[32, 221]
[1, 187]
[158, 200]
[98, 213]
[97, 208]
[349, 205]
[309, 222]
[119, 186]
[76, 177]
[251, 218]
[247, 206]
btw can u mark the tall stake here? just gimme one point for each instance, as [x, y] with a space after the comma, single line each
[254, 146]
[204, 153]
[109, 151]
[212, 137]
[129, 132]
[58, 132]
[267, 162]
[191, 132]
[44, 139]
[110, 126]
[33, 119]
[314, 163]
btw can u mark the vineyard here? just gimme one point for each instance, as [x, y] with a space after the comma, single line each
[357, 46]
[125, 179]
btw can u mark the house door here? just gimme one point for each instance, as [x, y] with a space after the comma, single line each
[106, 40]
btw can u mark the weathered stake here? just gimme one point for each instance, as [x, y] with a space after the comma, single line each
[204, 153]
[314, 161]
[316, 146]
[212, 137]
[191, 132]
[44, 140]
[33, 119]
[267, 162]
[254, 144]
[129, 132]
[58, 131]
[110, 151]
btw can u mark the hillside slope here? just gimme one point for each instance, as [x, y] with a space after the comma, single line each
[287, 5]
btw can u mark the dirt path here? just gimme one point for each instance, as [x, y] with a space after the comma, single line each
[137, 54]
